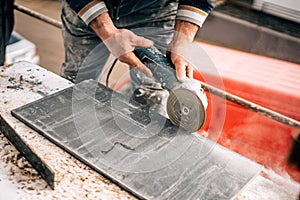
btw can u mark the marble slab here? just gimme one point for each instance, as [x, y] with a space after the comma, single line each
[144, 154]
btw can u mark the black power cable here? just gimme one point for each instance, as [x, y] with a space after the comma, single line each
[109, 72]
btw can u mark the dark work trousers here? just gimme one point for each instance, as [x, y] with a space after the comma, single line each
[6, 24]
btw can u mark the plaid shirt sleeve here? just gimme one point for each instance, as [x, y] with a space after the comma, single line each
[88, 10]
[194, 11]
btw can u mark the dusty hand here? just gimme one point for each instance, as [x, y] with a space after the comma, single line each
[183, 36]
[176, 52]
[120, 42]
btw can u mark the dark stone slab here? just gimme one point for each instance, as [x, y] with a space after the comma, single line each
[146, 155]
[36, 162]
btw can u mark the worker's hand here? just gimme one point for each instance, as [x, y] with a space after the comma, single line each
[184, 34]
[120, 42]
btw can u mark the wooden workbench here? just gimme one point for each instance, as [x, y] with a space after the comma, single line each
[22, 83]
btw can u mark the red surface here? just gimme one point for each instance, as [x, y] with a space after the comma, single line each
[272, 83]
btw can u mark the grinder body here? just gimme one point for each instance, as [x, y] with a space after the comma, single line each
[187, 102]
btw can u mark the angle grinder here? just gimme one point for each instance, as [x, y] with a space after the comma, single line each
[187, 102]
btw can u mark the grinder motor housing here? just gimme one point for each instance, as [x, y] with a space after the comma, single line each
[187, 102]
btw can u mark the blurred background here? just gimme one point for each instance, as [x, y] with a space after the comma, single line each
[47, 38]
[266, 27]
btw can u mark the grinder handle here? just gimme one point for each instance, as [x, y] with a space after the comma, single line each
[161, 67]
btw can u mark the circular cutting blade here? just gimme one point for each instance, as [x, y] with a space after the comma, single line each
[186, 109]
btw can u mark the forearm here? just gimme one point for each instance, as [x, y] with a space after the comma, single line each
[103, 26]
[184, 34]
[188, 29]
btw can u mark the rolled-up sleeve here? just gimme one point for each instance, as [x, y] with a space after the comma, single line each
[194, 11]
[88, 10]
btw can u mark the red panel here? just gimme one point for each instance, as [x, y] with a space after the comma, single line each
[268, 82]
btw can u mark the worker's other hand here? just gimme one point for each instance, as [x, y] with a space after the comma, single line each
[184, 34]
[120, 42]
